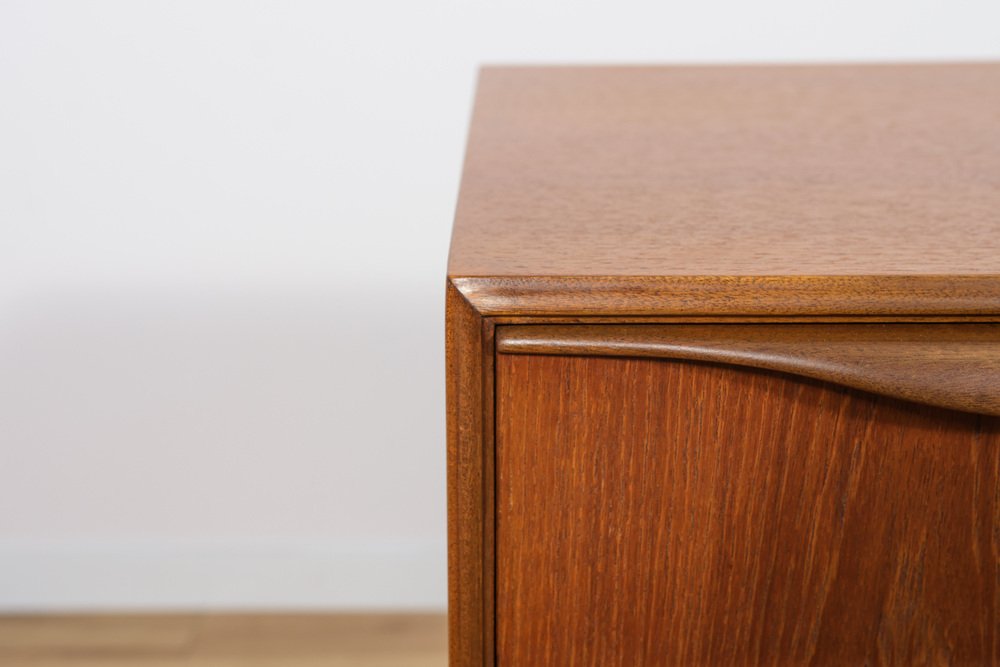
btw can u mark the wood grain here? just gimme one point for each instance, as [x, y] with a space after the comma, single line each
[469, 390]
[954, 366]
[727, 296]
[777, 190]
[109, 635]
[224, 640]
[723, 170]
[721, 515]
[653, 512]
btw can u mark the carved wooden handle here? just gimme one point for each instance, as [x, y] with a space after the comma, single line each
[948, 365]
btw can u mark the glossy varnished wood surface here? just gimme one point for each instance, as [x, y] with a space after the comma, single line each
[662, 512]
[955, 366]
[816, 297]
[752, 195]
[746, 170]
[469, 393]
[772, 190]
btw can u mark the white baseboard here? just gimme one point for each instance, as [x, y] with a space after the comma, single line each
[41, 576]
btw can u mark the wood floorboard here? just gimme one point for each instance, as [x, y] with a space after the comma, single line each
[224, 640]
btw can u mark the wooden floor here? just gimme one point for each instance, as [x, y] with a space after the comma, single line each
[289, 640]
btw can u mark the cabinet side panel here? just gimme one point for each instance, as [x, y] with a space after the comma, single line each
[661, 512]
[469, 362]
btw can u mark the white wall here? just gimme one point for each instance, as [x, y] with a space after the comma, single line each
[223, 233]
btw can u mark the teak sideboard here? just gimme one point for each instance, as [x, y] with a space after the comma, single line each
[723, 367]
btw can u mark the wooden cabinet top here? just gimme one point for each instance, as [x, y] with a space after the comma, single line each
[750, 190]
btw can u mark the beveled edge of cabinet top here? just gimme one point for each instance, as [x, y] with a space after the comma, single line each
[726, 296]
[752, 190]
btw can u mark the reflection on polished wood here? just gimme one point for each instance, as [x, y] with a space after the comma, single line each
[224, 640]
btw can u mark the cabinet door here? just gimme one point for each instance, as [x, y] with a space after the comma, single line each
[656, 511]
